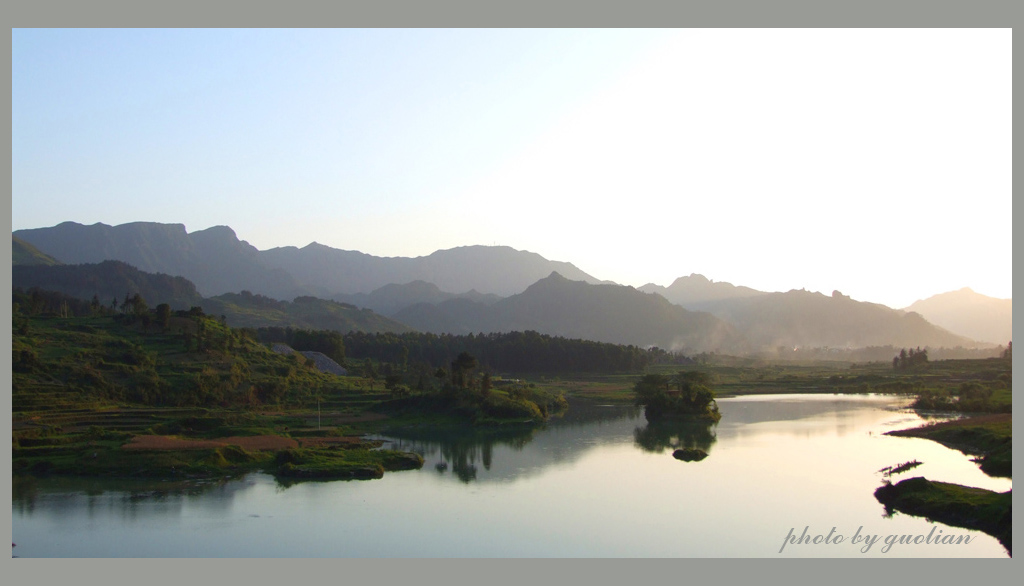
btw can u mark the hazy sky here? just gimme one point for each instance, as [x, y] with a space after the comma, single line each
[876, 162]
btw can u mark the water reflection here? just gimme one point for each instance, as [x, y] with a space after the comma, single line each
[469, 454]
[459, 449]
[568, 489]
[662, 435]
[127, 498]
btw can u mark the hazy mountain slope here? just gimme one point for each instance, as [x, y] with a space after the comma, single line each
[977, 316]
[248, 310]
[498, 270]
[807, 319]
[697, 292]
[214, 259]
[23, 253]
[232, 265]
[391, 299]
[575, 309]
[108, 280]
[455, 316]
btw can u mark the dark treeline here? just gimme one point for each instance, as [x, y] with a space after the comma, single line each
[36, 301]
[505, 352]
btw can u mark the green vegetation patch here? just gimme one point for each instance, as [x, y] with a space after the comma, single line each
[952, 504]
[337, 464]
[109, 459]
[987, 436]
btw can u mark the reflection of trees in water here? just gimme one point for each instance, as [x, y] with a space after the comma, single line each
[583, 412]
[662, 435]
[65, 496]
[461, 449]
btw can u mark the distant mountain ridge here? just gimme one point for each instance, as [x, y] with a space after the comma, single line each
[693, 314]
[773, 323]
[800, 318]
[559, 306]
[218, 262]
[971, 314]
[498, 270]
[390, 299]
[214, 259]
[697, 292]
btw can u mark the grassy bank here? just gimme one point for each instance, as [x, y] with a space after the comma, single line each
[952, 504]
[989, 437]
[104, 453]
[942, 378]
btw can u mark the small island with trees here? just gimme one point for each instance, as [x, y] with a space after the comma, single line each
[684, 395]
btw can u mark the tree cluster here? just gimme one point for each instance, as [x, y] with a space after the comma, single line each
[910, 359]
[684, 395]
[37, 301]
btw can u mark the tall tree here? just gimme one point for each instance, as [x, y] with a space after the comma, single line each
[163, 315]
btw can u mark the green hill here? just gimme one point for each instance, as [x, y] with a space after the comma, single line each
[192, 361]
[108, 281]
[24, 253]
[179, 395]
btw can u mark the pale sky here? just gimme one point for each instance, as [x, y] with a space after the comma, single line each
[875, 162]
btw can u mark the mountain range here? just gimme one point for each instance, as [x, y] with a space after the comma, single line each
[496, 289]
[700, 293]
[574, 309]
[218, 262]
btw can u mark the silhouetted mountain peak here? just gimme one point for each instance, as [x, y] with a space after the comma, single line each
[218, 232]
[552, 281]
[693, 278]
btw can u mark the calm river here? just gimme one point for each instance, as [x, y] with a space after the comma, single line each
[598, 483]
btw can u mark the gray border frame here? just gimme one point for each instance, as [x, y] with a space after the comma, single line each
[463, 13]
